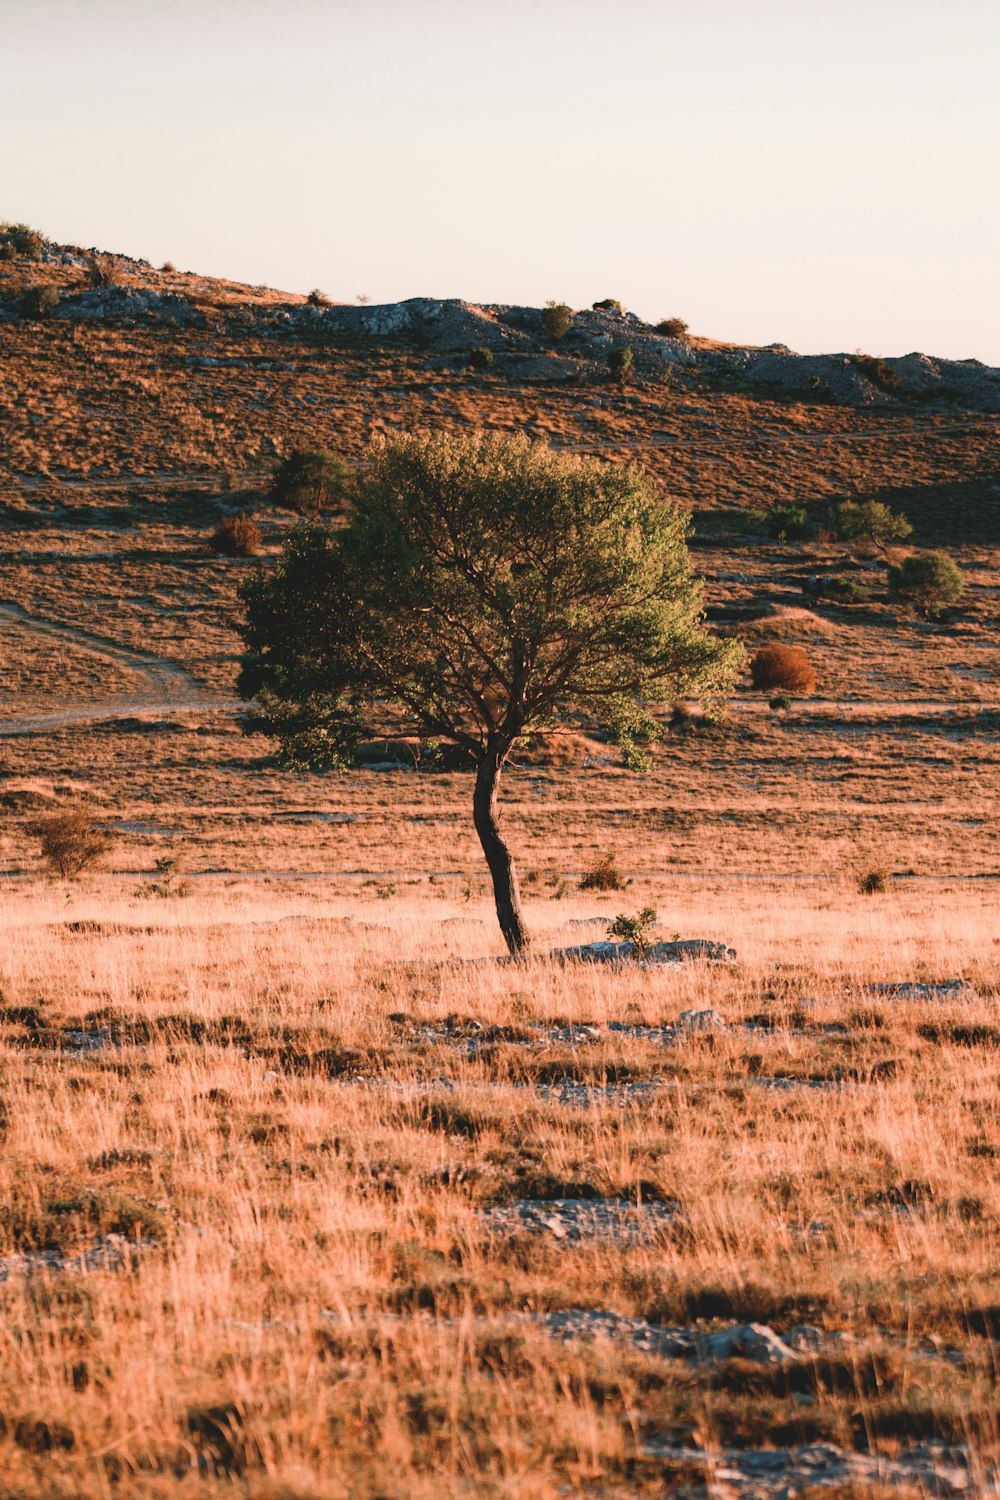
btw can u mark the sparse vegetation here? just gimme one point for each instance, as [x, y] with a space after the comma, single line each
[931, 581]
[783, 523]
[312, 481]
[236, 536]
[608, 304]
[873, 883]
[604, 874]
[104, 271]
[38, 302]
[318, 298]
[71, 842]
[781, 668]
[877, 369]
[672, 328]
[639, 930]
[25, 242]
[620, 363]
[868, 521]
[557, 319]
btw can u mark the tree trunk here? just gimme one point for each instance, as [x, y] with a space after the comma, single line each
[506, 891]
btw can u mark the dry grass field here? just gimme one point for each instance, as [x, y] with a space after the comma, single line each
[306, 1195]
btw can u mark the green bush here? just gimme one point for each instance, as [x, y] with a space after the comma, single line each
[311, 481]
[784, 523]
[608, 304]
[929, 580]
[25, 241]
[39, 301]
[557, 319]
[481, 359]
[620, 362]
[639, 930]
[672, 328]
[845, 591]
[868, 521]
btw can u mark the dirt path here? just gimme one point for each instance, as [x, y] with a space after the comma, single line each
[169, 687]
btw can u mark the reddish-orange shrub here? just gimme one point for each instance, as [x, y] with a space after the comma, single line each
[787, 668]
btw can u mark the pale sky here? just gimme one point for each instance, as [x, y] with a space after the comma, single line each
[822, 173]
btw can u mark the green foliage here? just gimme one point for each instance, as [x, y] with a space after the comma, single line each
[557, 319]
[39, 301]
[604, 874]
[608, 304]
[633, 729]
[672, 328]
[481, 359]
[868, 521]
[931, 581]
[639, 930]
[620, 362]
[779, 702]
[23, 240]
[312, 481]
[846, 591]
[783, 523]
[482, 584]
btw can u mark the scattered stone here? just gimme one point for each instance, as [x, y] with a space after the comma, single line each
[701, 1020]
[113, 1252]
[932, 1468]
[945, 989]
[669, 955]
[571, 1220]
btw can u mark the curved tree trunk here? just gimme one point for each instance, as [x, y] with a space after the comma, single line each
[506, 891]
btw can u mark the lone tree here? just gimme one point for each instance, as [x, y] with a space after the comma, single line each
[931, 581]
[484, 587]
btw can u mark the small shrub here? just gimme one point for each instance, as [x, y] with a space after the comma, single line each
[318, 298]
[236, 536]
[23, 240]
[876, 369]
[557, 319]
[620, 362]
[930, 580]
[71, 842]
[783, 523]
[311, 481]
[779, 702]
[672, 328]
[169, 886]
[608, 304]
[604, 875]
[7, 252]
[868, 521]
[639, 930]
[845, 591]
[873, 883]
[39, 301]
[784, 669]
[104, 270]
[169, 267]
[481, 359]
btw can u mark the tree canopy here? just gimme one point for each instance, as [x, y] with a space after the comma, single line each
[484, 586]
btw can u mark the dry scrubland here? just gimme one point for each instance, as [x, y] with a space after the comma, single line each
[282, 1199]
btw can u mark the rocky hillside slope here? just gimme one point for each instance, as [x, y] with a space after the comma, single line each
[452, 329]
